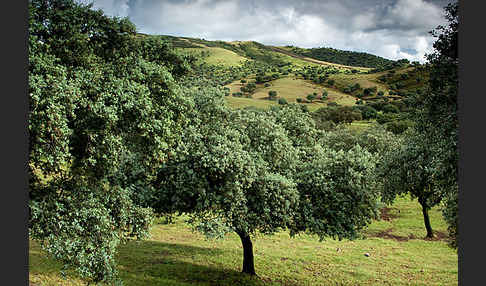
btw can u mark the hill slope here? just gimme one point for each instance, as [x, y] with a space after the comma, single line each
[342, 57]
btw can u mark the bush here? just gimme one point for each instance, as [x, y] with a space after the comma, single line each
[367, 112]
[390, 108]
[282, 101]
[341, 114]
[386, 117]
[369, 90]
[299, 100]
[324, 94]
[399, 126]
[266, 84]
[330, 82]
[272, 94]
[243, 81]
[311, 97]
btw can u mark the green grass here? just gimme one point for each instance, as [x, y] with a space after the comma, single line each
[217, 56]
[289, 88]
[361, 125]
[176, 256]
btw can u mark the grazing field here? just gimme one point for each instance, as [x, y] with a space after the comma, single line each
[218, 56]
[289, 88]
[174, 255]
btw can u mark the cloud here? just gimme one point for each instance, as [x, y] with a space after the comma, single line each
[392, 29]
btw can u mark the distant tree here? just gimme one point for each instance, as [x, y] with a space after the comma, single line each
[282, 101]
[399, 126]
[324, 94]
[390, 108]
[272, 94]
[367, 112]
[386, 117]
[311, 97]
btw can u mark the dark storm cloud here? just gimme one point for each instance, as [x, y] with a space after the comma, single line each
[389, 28]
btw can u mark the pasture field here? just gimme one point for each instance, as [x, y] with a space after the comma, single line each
[289, 88]
[218, 56]
[174, 255]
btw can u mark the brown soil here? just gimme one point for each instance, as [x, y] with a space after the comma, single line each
[438, 235]
[387, 234]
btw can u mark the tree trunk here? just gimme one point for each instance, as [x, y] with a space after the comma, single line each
[248, 263]
[425, 212]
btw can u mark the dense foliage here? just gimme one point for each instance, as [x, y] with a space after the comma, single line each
[439, 119]
[433, 147]
[252, 171]
[105, 111]
[349, 58]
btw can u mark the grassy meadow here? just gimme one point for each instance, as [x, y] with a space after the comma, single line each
[289, 88]
[174, 255]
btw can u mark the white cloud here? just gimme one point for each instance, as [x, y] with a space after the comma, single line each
[392, 30]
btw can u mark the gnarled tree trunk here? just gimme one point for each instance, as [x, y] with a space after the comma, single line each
[248, 262]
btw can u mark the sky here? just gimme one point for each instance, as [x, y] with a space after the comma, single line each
[393, 29]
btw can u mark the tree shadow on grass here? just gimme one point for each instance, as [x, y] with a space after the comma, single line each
[158, 263]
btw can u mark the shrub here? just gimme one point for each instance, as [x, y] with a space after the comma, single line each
[386, 117]
[311, 97]
[272, 94]
[243, 81]
[282, 101]
[266, 84]
[367, 112]
[390, 108]
[324, 94]
[330, 82]
[399, 126]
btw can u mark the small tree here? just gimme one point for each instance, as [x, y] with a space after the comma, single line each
[311, 97]
[407, 170]
[324, 94]
[272, 94]
[282, 101]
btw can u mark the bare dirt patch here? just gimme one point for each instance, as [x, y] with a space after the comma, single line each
[387, 234]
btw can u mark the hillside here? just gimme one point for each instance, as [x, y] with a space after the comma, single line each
[349, 58]
[249, 71]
